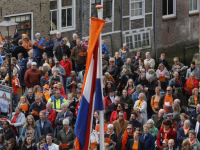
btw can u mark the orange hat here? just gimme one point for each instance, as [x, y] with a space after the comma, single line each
[46, 86]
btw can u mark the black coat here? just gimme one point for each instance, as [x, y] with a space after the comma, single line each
[111, 107]
[59, 53]
[113, 137]
[37, 108]
[136, 124]
[20, 49]
[139, 81]
[193, 116]
[165, 63]
[9, 134]
[130, 145]
[113, 71]
[161, 101]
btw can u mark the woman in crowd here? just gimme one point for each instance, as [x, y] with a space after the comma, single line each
[130, 87]
[17, 121]
[176, 112]
[46, 67]
[30, 128]
[109, 85]
[183, 117]
[44, 59]
[8, 131]
[164, 61]
[112, 69]
[51, 62]
[193, 140]
[175, 80]
[186, 145]
[111, 136]
[155, 100]
[71, 103]
[182, 132]
[194, 99]
[44, 79]
[26, 43]
[190, 84]
[37, 91]
[28, 144]
[141, 64]
[24, 104]
[134, 143]
[118, 61]
[114, 115]
[135, 58]
[62, 90]
[152, 129]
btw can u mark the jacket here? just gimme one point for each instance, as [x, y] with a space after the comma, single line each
[143, 109]
[59, 52]
[37, 133]
[56, 43]
[23, 64]
[47, 127]
[20, 49]
[9, 134]
[77, 57]
[32, 77]
[136, 124]
[130, 145]
[196, 145]
[52, 117]
[193, 116]
[67, 138]
[114, 116]
[195, 82]
[106, 102]
[111, 107]
[37, 49]
[181, 136]
[37, 108]
[135, 96]
[57, 102]
[113, 137]
[139, 81]
[179, 94]
[49, 47]
[128, 101]
[113, 71]
[191, 103]
[195, 71]
[157, 122]
[67, 66]
[154, 132]
[118, 129]
[161, 102]
[151, 62]
[147, 141]
[20, 121]
[69, 81]
[118, 62]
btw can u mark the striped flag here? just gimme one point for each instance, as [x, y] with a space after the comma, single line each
[92, 97]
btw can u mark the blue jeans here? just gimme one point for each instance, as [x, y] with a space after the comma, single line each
[15, 99]
[79, 67]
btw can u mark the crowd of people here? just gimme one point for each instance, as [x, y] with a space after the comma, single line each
[146, 106]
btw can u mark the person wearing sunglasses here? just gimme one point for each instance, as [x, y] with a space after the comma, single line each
[114, 115]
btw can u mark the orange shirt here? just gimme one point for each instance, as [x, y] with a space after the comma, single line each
[154, 102]
[135, 146]
[167, 105]
[97, 128]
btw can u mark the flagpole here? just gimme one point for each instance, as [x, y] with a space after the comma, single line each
[101, 113]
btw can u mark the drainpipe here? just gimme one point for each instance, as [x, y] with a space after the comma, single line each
[154, 29]
[81, 19]
[122, 3]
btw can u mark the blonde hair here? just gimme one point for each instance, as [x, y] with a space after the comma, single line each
[26, 100]
[33, 122]
[112, 59]
[195, 89]
[127, 85]
[25, 37]
[35, 88]
[176, 108]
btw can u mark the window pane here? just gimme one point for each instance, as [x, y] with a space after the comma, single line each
[64, 23]
[170, 7]
[54, 20]
[53, 5]
[139, 38]
[139, 44]
[136, 44]
[140, 5]
[127, 39]
[132, 13]
[194, 4]
[136, 5]
[147, 35]
[143, 36]
[66, 3]
[148, 42]
[135, 36]
[69, 17]
[93, 11]
[139, 12]
[164, 7]
[131, 45]
[190, 5]
[131, 39]
[132, 5]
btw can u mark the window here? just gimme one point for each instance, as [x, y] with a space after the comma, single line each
[62, 15]
[107, 9]
[193, 6]
[138, 41]
[136, 9]
[169, 8]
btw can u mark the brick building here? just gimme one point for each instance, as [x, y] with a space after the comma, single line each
[173, 22]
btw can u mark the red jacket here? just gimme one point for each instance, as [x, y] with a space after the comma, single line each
[32, 77]
[106, 102]
[114, 116]
[161, 136]
[52, 117]
[195, 83]
[67, 66]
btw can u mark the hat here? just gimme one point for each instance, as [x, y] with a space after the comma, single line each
[169, 114]
[34, 64]
[46, 86]
[61, 41]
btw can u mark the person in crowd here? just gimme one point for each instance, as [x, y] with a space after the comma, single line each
[177, 63]
[28, 144]
[8, 131]
[128, 135]
[30, 128]
[133, 144]
[176, 112]
[51, 62]
[166, 132]
[135, 95]
[2, 141]
[167, 100]
[71, 103]
[104, 48]
[65, 113]
[66, 138]
[197, 129]
[57, 100]
[55, 78]
[41, 143]
[37, 91]
[135, 123]
[114, 115]
[193, 69]
[17, 121]
[50, 114]
[124, 51]
[193, 115]
[174, 124]
[120, 125]
[49, 44]
[31, 58]
[109, 98]
[49, 143]
[175, 80]
[36, 107]
[155, 100]
[193, 140]
[26, 43]
[62, 49]
[118, 61]
[44, 124]
[158, 118]
[73, 42]
[129, 65]
[141, 80]
[112, 68]
[141, 64]
[30, 96]
[142, 105]
[61, 70]
[190, 84]
[124, 79]
[149, 60]
[38, 47]
[182, 132]
[71, 83]
[130, 87]
[78, 55]
[104, 64]
[3, 73]
[139, 117]
[186, 145]
[44, 59]
[152, 129]
[170, 145]
[108, 87]
[146, 139]
[44, 79]
[57, 41]
[20, 49]
[97, 127]
[164, 61]
[32, 76]
[183, 117]
[111, 135]
[194, 99]
[178, 92]
[46, 67]
[4, 105]
[135, 73]
[135, 58]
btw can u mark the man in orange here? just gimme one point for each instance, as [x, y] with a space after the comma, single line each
[167, 100]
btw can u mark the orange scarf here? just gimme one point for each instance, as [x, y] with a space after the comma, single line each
[124, 139]
[46, 78]
[139, 104]
[192, 142]
[186, 130]
[123, 51]
[195, 99]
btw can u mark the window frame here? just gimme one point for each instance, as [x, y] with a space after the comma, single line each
[174, 10]
[194, 11]
[59, 17]
[143, 10]
[142, 40]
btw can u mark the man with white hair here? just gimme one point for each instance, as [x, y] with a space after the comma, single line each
[32, 76]
[152, 129]
[57, 40]
[170, 145]
[112, 135]
[124, 50]
[50, 114]
[149, 60]
[31, 58]
[135, 95]
[38, 47]
[66, 135]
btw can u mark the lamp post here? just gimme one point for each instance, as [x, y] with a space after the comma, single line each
[7, 28]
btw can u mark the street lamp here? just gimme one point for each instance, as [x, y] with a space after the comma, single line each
[7, 28]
